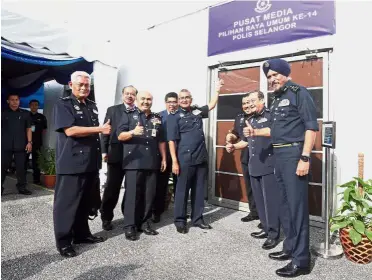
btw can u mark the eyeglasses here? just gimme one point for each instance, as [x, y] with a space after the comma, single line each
[185, 98]
[82, 85]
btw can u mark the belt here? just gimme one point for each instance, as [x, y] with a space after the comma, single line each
[287, 145]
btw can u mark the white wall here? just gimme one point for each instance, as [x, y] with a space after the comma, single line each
[174, 56]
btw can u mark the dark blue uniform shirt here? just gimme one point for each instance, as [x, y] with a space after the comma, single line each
[293, 112]
[261, 160]
[186, 129]
[75, 155]
[38, 124]
[14, 126]
[142, 151]
[239, 124]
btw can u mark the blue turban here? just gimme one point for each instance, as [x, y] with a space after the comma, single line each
[278, 65]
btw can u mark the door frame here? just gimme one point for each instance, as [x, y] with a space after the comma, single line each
[212, 129]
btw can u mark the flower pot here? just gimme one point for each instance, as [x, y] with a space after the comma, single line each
[361, 253]
[50, 181]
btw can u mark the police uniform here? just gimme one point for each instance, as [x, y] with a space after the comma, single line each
[163, 177]
[141, 162]
[115, 173]
[261, 171]
[293, 113]
[185, 127]
[78, 160]
[14, 125]
[38, 124]
[239, 124]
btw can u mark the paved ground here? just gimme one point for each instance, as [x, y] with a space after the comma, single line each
[226, 252]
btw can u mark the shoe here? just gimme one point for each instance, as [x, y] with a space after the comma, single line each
[280, 256]
[260, 226]
[291, 270]
[181, 229]
[24, 191]
[89, 240]
[259, 235]
[148, 230]
[156, 219]
[203, 225]
[131, 234]
[249, 218]
[270, 244]
[67, 252]
[107, 225]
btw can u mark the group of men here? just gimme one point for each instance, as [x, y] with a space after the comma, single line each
[139, 145]
[21, 136]
[279, 141]
[146, 148]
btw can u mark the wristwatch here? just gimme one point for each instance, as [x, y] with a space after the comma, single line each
[30, 142]
[305, 158]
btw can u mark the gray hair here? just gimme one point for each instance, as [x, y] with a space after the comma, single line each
[76, 74]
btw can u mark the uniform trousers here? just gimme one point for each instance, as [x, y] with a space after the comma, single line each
[140, 187]
[72, 203]
[115, 175]
[294, 206]
[266, 193]
[251, 201]
[20, 162]
[192, 177]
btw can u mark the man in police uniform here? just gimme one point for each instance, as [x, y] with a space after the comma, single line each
[143, 145]
[16, 140]
[261, 170]
[38, 128]
[293, 132]
[112, 153]
[232, 137]
[171, 105]
[189, 158]
[78, 160]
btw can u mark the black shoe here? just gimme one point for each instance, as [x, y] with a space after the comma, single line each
[259, 235]
[156, 219]
[89, 240]
[181, 229]
[24, 191]
[260, 226]
[280, 256]
[203, 225]
[131, 234]
[291, 270]
[149, 231]
[67, 252]
[249, 218]
[107, 225]
[270, 244]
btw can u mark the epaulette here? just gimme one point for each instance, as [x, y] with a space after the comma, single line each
[294, 88]
[91, 101]
[65, 98]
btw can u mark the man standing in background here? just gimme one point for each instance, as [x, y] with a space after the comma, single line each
[38, 128]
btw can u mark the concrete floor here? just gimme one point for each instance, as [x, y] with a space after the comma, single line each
[225, 252]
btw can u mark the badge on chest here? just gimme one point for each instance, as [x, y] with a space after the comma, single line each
[196, 112]
[283, 103]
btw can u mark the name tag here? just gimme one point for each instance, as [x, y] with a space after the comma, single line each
[284, 102]
[153, 132]
[262, 120]
[79, 112]
[196, 112]
[33, 128]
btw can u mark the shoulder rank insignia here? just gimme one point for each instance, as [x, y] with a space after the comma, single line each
[65, 98]
[77, 108]
[294, 88]
[91, 101]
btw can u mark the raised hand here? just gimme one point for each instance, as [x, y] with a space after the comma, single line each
[106, 128]
[248, 131]
[138, 130]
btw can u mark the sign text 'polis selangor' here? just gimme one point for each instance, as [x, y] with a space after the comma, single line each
[246, 24]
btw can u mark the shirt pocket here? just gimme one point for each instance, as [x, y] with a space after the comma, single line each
[81, 155]
[187, 124]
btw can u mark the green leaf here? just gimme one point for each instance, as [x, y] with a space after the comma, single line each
[334, 227]
[355, 236]
[369, 234]
[348, 184]
[361, 182]
[359, 226]
[339, 225]
[347, 195]
[338, 218]
[355, 195]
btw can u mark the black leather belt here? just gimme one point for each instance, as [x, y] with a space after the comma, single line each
[287, 145]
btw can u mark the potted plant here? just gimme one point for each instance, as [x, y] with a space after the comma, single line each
[47, 165]
[354, 220]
